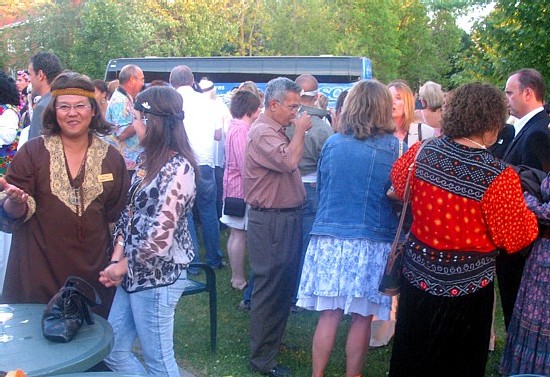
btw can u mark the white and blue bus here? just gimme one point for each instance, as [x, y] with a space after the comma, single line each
[334, 73]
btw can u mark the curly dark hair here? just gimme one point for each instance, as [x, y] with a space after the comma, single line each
[65, 80]
[8, 90]
[473, 109]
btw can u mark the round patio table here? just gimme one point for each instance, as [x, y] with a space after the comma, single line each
[37, 356]
[101, 374]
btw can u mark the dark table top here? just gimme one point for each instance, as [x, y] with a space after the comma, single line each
[37, 356]
[100, 374]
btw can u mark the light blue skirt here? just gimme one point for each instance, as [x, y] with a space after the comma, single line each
[344, 274]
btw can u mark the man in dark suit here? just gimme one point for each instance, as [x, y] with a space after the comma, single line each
[530, 146]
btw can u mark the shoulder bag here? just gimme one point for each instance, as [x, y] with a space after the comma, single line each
[389, 284]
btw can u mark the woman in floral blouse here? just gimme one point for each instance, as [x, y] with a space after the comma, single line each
[152, 241]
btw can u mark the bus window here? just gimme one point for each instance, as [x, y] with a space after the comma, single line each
[334, 73]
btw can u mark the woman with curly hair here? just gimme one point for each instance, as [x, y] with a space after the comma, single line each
[466, 204]
[62, 191]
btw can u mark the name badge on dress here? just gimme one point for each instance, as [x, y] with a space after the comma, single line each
[105, 177]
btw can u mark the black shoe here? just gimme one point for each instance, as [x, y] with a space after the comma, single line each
[296, 309]
[219, 266]
[244, 306]
[279, 371]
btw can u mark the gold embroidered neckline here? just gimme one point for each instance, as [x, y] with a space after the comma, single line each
[60, 185]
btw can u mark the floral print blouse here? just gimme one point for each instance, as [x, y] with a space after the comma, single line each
[154, 226]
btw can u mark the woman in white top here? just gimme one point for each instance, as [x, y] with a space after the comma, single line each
[9, 123]
[403, 115]
[409, 132]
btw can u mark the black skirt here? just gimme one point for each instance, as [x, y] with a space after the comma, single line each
[441, 336]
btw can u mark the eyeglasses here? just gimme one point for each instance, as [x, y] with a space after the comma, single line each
[292, 108]
[80, 108]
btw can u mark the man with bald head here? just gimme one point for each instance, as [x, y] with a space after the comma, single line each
[314, 140]
[530, 146]
[120, 112]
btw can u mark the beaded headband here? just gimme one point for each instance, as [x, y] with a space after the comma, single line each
[73, 91]
[144, 107]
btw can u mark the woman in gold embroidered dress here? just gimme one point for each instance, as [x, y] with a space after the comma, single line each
[61, 192]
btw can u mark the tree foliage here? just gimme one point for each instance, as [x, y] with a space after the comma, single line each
[512, 37]
[405, 39]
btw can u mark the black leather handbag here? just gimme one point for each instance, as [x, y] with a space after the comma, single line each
[234, 207]
[68, 310]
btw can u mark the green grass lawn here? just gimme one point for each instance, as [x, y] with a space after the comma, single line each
[192, 338]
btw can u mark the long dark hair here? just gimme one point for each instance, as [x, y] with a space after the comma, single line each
[164, 133]
[68, 80]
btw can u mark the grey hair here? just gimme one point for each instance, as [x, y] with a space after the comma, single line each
[432, 94]
[276, 89]
[181, 75]
[127, 72]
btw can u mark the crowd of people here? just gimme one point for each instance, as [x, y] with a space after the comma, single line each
[133, 169]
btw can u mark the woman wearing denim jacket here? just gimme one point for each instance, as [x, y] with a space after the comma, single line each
[152, 241]
[354, 226]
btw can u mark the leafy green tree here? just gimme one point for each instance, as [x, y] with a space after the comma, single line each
[416, 45]
[304, 27]
[447, 38]
[512, 37]
[369, 28]
[108, 29]
[195, 28]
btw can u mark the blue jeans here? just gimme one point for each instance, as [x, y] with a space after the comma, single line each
[205, 202]
[218, 173]
[247, 294]
[193, 231]
[149, 316]
[308, 217]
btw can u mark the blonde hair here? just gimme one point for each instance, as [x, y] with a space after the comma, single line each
[432, 95]
[408, 102]
[367, 110]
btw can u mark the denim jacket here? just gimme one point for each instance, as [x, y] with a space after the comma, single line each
[352, 181]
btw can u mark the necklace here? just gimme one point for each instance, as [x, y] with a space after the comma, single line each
[77, 190]
[475, 142]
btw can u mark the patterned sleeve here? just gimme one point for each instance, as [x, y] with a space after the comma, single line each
[400, 170]
[512, 226]
[119, 112]
[176, 190]
[541, 210]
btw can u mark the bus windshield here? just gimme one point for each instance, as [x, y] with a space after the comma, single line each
[334, 73]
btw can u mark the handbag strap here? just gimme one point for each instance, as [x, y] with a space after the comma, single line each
[406, 195]
[71, 284]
